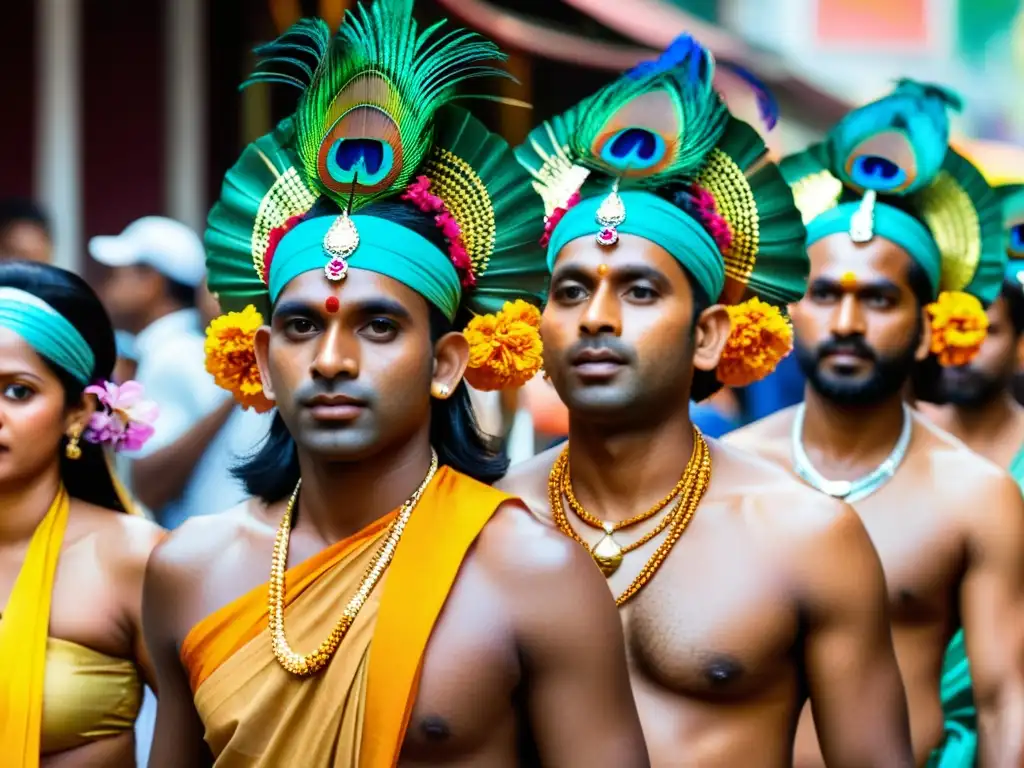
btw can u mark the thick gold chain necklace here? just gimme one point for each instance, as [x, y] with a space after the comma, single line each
[311, 663]
[695, 482]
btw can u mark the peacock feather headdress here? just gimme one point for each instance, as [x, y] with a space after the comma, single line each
[374, 122]
[887, 169]
[692, 178]
[1011, 196]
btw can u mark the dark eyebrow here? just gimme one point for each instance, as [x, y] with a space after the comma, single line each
[626, 274]
[295, 308]
[381, 306]
[880, 287]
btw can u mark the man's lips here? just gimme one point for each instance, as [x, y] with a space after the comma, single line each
[596, 364]
[335, 407]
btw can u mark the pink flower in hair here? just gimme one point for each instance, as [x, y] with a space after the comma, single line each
[714, 222]
[124, 420]
[419, 194]
[551, 221]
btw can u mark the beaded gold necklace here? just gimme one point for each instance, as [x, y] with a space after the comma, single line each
[308, 664]
[607, 553]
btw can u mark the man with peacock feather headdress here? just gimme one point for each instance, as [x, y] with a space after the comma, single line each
[906, 247]
[375, 249]
[975, 403]
[675, 246]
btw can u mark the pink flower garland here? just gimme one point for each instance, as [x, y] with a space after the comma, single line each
[273, 239]
[551, 221]
[717, 226]
[419, 194]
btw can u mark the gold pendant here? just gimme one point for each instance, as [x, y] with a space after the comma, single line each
[607, 554]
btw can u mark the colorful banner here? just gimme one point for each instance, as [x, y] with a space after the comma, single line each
[872, 23]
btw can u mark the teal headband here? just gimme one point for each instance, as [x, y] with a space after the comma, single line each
[900, 227]
[652, 218]
[47, 331]
[384, 247]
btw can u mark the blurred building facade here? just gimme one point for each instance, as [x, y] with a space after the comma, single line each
[124, 109]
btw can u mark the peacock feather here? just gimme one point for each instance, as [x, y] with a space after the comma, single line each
[1011, 196]
[896, 145]
[364, 122]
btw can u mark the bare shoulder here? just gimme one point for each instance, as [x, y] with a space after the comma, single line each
[529, 480]
[767, 437]
[204, 540]
[968, 481]
[532, 559]
[122, 540]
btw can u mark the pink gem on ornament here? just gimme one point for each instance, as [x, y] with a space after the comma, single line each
[336, 269]
[608, 236]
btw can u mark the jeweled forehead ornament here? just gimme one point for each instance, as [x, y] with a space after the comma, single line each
[862, 223]
[610, 214]
[340, 242]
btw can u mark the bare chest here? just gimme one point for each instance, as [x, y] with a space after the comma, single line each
[470, 702]
[715, 623]
[920, 550]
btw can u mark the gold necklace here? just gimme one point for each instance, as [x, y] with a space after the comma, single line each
[311, 663]
[697, 477]
[607, 553]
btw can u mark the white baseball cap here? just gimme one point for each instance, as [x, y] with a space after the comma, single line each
[166, 245]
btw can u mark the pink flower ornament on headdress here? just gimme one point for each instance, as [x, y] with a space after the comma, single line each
[551, 220]
[418, 193]
[124, 420]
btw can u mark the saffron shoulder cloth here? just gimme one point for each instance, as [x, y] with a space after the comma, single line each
[355, 712]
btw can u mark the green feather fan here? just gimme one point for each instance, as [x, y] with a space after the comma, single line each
[488, 192]
[261, 191]
[364, 122]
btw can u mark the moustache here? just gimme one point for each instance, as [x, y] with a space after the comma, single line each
[305, 394]
[613, 344]
[852, 345]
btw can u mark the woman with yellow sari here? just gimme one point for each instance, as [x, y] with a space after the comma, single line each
[72, 661]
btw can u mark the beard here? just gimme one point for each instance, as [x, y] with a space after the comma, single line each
[968, 387]
[887, 377]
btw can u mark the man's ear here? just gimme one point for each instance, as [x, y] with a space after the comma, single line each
[924, 346]
[451, 356]
[710, 334]
[261, 346]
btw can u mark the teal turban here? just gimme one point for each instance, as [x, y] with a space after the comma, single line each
[47, 331]
[384, 247]
[652, 218]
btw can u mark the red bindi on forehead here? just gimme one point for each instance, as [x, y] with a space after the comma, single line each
[331, 304]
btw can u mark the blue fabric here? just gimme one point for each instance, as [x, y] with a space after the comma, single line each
[384, 247]
[711, 421]
[655, 219]
[47, 331]
[780, 389]
[891, 223]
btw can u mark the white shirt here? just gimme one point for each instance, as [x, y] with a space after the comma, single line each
[172, 370]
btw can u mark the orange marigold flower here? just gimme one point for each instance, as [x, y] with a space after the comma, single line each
[231, 357]
[504, 348]
[760, 337]
[959, 326]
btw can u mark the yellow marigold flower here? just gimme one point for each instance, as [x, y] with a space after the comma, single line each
[505, 348]
[231, 357]
[959, 326]
[760, 337]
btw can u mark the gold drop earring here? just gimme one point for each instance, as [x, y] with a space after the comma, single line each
[72, 449]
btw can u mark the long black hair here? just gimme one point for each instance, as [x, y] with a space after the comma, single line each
[88, 477]
[272, 471]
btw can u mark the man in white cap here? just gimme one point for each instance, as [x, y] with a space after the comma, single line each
[157, 271]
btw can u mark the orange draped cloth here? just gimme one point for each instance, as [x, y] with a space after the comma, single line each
[354, 713]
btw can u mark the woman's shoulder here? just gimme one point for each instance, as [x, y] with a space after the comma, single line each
[120, 538]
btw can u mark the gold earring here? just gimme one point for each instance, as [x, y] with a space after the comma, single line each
[441, 392]
[72, 450]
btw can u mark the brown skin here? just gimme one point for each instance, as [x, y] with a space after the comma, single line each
[751, 601]
[507, 649]
[136, 296]
[26, 240]
[985, 415]
[949, 526]
[97, 592]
